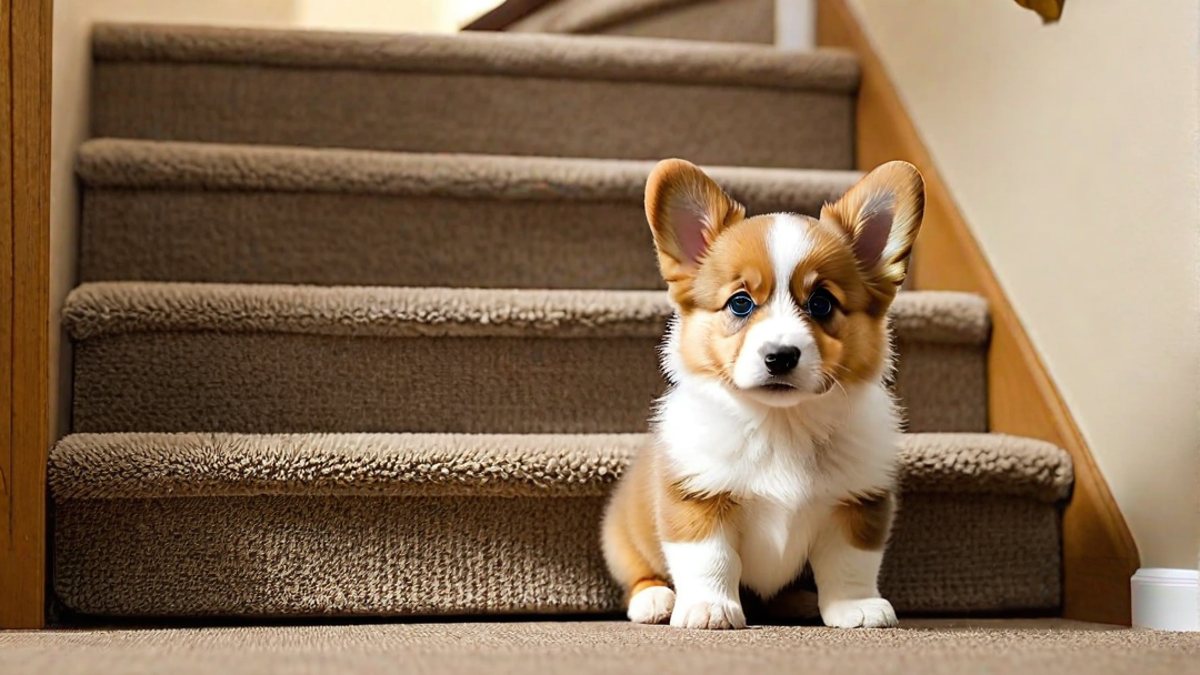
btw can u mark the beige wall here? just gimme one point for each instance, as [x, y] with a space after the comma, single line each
[389, 15]
[69, 127]
[72, 23]
[1072, 151]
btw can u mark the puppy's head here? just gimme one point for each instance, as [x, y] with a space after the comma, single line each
[782, 307]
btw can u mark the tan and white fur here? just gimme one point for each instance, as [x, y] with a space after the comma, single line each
[775, 445]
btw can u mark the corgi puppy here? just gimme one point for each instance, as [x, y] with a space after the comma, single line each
[775, 445]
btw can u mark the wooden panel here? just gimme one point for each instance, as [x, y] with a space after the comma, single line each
[1099, 554]
[25, 35]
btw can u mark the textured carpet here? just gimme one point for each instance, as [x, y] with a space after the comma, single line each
[259, 214]
[133, 466]
[194, 357]
[921, 648]
[354, 524]
[395, 251]
[605, 97]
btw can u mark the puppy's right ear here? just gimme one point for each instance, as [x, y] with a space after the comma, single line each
[686, 211]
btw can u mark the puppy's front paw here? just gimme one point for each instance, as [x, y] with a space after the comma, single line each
[652, 605]
[708, 614]
[866, 613]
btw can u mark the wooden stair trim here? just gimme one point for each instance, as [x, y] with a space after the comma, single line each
[25, 34]
[1099, 552]
[506, 14]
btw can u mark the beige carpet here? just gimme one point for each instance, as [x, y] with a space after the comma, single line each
[313, 235]
[155, 210]
[549, 95]
[381, 524]
[928, 647]
[354, 359]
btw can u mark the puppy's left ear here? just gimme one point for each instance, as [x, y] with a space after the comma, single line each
[881, 215]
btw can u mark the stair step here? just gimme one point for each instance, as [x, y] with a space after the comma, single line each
[267, 359]
[478, 93]
[166, 211]
[217, 524]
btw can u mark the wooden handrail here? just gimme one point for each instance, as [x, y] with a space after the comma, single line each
[506, 14]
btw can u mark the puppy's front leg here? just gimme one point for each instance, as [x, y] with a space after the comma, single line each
[845, 561]
[699, 544]
[706, 574]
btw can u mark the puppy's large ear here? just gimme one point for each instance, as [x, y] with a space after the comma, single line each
[881, 215]
[686, 211]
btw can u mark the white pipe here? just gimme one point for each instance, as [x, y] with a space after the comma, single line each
[1166, 599]
[796, 24]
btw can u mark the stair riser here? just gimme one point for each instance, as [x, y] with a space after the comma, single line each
[366, 240]
[265, 214]
[305, 383]
[295, 556]
[489, 114]
[378, 240]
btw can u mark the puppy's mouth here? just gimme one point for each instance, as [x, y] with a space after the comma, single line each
[777, 387]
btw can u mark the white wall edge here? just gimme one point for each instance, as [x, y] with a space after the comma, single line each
[796, 24]
[1166, 599]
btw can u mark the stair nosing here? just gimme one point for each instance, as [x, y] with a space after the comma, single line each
[538, 56]
[151, 164]
[98, 309]
[173, 465]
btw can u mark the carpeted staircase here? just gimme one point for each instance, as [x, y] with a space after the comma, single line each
[367, 325]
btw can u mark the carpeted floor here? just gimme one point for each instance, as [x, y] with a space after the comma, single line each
[1020, 647]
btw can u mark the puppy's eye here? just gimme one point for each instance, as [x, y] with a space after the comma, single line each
[740, 305]
[821, 304]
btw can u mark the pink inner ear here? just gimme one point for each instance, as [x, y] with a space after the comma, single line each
[873, 236]
[689, 231]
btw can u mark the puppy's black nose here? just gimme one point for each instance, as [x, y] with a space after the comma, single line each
[781, 360]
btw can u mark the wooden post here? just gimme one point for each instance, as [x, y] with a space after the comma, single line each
[26, 27]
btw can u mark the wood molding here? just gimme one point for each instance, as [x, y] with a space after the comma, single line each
[1099, 553]
[25, 76]
[506, 14]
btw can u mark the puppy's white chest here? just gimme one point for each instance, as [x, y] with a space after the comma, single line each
[786, 477]
[775, 543]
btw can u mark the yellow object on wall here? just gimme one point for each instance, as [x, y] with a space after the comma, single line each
[1049, 10]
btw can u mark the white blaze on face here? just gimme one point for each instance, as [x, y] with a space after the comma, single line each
[782, 323]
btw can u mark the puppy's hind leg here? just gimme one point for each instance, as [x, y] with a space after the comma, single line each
[628, 533]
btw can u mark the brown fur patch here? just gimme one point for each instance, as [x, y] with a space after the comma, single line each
[688, 516]
[710, 337]
[896, 188]
[687, 212]
[629, 538]
[852, 341]
[642, 584]
[867, 521]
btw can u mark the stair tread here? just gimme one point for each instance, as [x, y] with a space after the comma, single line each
[131, 163]
[156, 465]
[545, 56]
[491, 94]
[104, 308]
